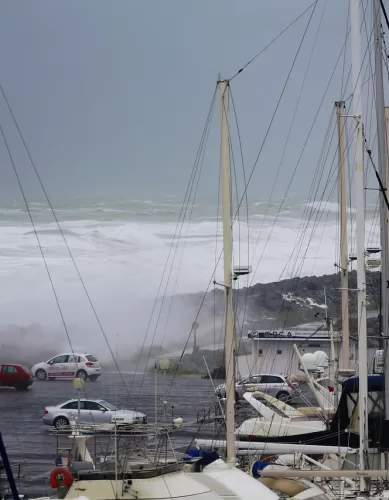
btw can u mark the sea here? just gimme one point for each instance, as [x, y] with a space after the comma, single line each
[121, 255]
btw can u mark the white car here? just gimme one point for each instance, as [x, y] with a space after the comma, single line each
[68, 365]
[275, 385]
[96, 411]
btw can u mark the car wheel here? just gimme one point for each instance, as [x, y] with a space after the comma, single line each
[60, 422]
[41, 374]
[82, 374]
[93, 378]
[283, 396]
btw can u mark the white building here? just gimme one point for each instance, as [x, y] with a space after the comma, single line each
[273, 352]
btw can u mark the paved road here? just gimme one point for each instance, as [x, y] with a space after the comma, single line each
[29, 443]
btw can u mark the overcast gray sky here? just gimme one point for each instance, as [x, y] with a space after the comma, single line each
[112, 95]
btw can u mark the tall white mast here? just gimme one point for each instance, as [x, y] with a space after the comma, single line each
[387, 148]
[382, 167]
[340, 112]
[360, 234]
[227, 244]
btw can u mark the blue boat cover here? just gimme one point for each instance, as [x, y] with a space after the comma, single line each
[375, 383]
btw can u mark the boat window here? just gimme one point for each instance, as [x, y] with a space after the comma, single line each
[351, 403]
[375, 402]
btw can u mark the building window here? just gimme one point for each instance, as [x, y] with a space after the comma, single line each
[279, 351]
[260, 352]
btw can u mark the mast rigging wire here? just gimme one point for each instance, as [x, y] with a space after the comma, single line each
[311, 128]
[285, 148]
[61, 232]
[281, 162]
[319, 108]
[176, 239]
[343, 47]
[300, 239]
[382, 188]
[278, 104]
[274, 115]
[313, 4]
[384, 13]
[195, 185]
[333, 74]
[37, 237]
[252, 171]
[46, 266]
[276, 109]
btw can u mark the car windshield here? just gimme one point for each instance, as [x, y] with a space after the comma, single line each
[108, 405]
[25, 368]
[89, 357]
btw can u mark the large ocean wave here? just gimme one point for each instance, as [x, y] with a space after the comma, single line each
[121, 260]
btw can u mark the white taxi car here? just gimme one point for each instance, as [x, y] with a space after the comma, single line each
[69, 365]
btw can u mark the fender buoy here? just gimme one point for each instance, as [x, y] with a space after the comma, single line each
[63, 471]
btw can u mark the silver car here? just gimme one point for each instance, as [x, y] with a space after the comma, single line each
[275, 385]
[95, 411]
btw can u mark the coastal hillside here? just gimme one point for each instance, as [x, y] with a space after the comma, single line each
[292, 302]
[276, 305]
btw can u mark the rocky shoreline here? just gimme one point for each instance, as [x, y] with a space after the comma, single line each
[292, 302]
[276, 305]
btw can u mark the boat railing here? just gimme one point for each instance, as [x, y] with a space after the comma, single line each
[120, 449]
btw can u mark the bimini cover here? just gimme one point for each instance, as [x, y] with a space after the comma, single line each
[375, 383]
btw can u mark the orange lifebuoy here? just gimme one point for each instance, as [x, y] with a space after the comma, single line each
[54, 477]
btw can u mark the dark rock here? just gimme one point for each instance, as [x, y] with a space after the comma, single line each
[290, 302]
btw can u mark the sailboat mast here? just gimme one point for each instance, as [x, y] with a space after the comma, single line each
[227, 245]
[340, 112]
[387, 148]
[382, 167]
[360, 235]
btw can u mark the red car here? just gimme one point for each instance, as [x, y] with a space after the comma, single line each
[17, 376]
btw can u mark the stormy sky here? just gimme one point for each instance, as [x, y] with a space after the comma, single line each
[112, 96]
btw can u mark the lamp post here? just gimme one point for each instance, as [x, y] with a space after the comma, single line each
[78, 385]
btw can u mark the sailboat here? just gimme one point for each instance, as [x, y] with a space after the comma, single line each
[359, 419]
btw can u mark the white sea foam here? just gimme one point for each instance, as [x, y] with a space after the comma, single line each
[326, 206]
[122, 263]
